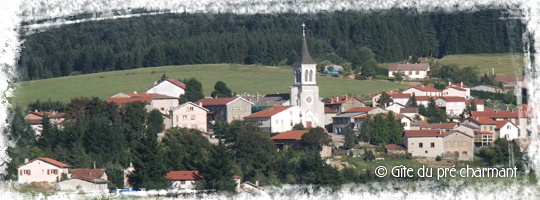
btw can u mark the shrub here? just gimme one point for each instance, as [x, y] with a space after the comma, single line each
[378, 76]
[367, 153]
[438, 158]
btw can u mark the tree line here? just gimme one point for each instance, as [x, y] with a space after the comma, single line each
[357, 38]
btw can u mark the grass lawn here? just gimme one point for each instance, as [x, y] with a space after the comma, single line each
[517, 186]
[240, 78]
[505, 64]
[9, 192]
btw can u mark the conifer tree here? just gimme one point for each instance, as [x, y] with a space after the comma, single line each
[193, 92]
[150, 169]
[218, 173]
[413, 103]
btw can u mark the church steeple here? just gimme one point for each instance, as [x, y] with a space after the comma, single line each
[304, 57]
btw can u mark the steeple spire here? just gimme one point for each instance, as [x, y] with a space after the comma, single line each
[304, 57]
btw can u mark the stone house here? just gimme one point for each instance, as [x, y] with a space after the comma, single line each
[226, 109]
[395, 149]
[458, 145]
[290, 141]
[343, 103]
[328, 115]
[41, 169]
[36, 119]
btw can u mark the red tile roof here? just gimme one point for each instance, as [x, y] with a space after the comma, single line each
[483, 132]
[408, 110]
[523, 143]
[216, 101]
[290, 135]
[177, 83]
[182, 175]
[495, 114]
[459, 85]
[422, 133]
[478, 102]
[530, 107]
[424, 89]
[269, 112]
[48, 160]
[501, 124]
[526, 110]
[328, 110]
[407, 67]
[400, 96]
[453, 98]
[394, 147]
[342, 99]
[509, 78]
[442, 125]
[49, 114]
[423, 98]
[359, 109]
[143, 97]
[88, 174]
[482, 120]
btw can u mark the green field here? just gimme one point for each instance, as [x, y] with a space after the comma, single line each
[239, 78]
[8, 192]
[505, 64]
[517, 186]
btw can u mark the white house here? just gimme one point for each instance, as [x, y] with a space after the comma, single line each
[169, 87]
[396, 108]
[187, 179]
[422, 91]
[189, 115]
[397, 97]
[456, 91]
[411, 72]
[454, 105]
[83, 184]
[247, 186]
[41, 169]
[507, 130]
[423, 143]
[281, 118]
[163, 103]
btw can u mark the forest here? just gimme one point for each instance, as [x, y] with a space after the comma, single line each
[359, 38]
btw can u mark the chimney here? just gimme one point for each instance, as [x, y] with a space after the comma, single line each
[423, 85]
[155, 82]
[345, 97]
[94, 164]
[461, 84]
[332, 100]
[337, 99]
[493, 69]
[134, 92]
[391, 91]
[26, 160]
[449, 82]
[200, 104]
[440, 131]
[257, 96]
[257, 183]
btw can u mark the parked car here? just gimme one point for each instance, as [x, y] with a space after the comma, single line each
[369, 158]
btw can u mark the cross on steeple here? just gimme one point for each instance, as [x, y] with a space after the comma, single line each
[303, 31]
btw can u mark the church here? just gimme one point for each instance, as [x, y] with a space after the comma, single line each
[304, 92]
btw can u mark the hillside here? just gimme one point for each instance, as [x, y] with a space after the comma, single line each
[240, 78]
[505, 64]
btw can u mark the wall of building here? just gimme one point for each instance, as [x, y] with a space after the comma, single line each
[164, 105]
[459, 144]
[85, 186]
[185, 118]
[426, 150]
[38, 172]
[454, 108]
[166, 88]
[509, 131]
[238, 109]
[351, 103]
[285, 120]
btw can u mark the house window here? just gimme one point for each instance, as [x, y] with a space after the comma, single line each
[246, 108]
[464, 153]
[426, 151]
[291, 113]
[448, 144]
[192, 117]
[176, 118]
[52, 172]
[232, 108]
[162, 109]
[421, 145]
[491, 128]
[417, 72]
[182, 182]
[291, 123]
[404, 124]
[191, 109]
[42, 171]
[239, 108]
[24, 172]
[464, 144]
[184, 117]
[277, 121]
[300, 114]
[456, 144]
[432, 145]
[485, 128]
[508, 127]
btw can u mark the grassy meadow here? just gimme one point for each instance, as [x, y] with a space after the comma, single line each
[505, 64]
[239, 78]
[517, 186]
[9, 192]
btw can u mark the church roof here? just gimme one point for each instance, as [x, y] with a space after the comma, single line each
[304, 57]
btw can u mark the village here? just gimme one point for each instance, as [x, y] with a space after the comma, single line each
[467, 126]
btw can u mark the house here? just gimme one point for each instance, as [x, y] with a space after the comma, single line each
[488, 88]
[168, 87]
[226, 109]
[422, 91]
[395, 107]
[525, 120]
[407, 122]
[395, 149]
[410, 72]
[484, 129]
[36, 119]
[458, 91]
[273, 100]
[524, 144]
[187, 179]
[163, 103]
[516, 80]
[250, 190]
[438, 126]
[507, 129]
[335, 71]
[342, 103]
[458, 145]
[526, 116]
[281, 118]
[328, 115]
[452, 105]
[409, 112]
[479, 104]
[396, 97]
[346, 120]
[190, 115]
[423, 143]
[41, 169]
[290, 140]
[423, 100]
[86, 180]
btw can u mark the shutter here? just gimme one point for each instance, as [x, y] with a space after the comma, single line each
[56, 172]
[29, 172]
[48, 171]
[20, 172]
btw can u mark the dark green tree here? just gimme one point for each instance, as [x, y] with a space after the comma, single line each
[413, 103]
[366, 128]
[398, 76]
[315, 139]
[385, 100]
[163, 78]
[150, 170]
[299, 126]
[218, 173]
[193, 92]
[350, 139]
[221, 90]
[154, 122]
